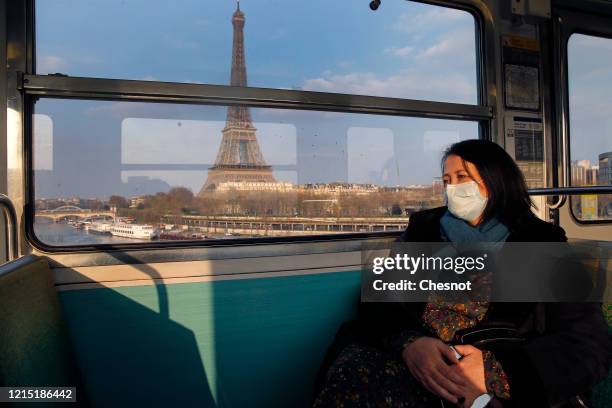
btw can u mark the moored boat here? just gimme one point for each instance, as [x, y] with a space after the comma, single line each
[103, 228]
[136, 231]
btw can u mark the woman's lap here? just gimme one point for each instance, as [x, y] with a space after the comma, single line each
[364, 376]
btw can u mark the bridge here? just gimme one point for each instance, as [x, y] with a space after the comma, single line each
[72, 212]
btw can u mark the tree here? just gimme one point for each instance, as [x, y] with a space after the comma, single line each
[118, 201]
[181, 195]
[396, 209]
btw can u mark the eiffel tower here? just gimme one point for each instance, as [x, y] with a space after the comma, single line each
[239, 158]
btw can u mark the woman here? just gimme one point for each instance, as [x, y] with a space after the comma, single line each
[398, 354]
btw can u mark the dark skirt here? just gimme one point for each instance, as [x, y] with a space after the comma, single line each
[364, 376]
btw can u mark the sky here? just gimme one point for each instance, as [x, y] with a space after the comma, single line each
[590, 96]
[404, 50]
[322, 45]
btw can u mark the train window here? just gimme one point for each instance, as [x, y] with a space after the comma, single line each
[590, 108]
[405, 49]
[125, 172]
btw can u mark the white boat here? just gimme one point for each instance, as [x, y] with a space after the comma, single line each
[77, 224]
[136, 231]
[99, 227]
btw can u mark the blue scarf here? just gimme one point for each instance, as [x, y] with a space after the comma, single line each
[455, 229]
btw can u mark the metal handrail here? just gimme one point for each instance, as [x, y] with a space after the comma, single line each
[571, 190]
[10, 216]
[562, 110]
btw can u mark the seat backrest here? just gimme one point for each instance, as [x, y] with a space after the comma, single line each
[34, 343]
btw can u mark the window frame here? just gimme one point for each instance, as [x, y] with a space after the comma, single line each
[31, 87]
[566, 24]
[48, 248]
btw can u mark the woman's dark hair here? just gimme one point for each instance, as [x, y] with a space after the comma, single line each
[508, 198]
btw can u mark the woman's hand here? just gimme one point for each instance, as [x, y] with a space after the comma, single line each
[471, 369]
[430, 360]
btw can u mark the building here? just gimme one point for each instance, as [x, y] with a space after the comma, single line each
[260, 186]
[605, 169]
[135, 202]
[583, 173]
[239, 159]
[604, 178]
[339, 188]
[437, 186]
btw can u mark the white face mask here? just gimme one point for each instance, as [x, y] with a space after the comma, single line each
[465, 200]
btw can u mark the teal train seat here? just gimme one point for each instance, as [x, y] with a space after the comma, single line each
[35, 348]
